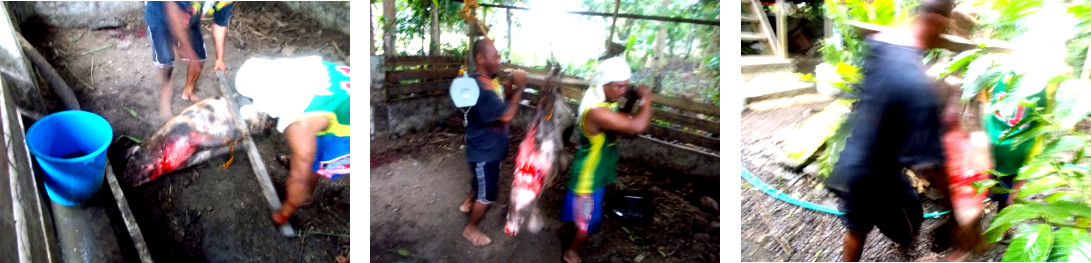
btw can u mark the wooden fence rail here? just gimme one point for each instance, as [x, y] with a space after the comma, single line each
[429, 76]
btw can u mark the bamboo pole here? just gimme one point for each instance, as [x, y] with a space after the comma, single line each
[634, 16]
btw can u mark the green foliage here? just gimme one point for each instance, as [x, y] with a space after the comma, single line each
[1005, 17]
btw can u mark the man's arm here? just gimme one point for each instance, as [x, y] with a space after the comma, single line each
[606, 120]
[219, 34]
[177, 21]
[520, 81]
[304, 144]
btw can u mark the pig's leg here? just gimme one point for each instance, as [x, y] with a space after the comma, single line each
[165, 92]
[535, 224]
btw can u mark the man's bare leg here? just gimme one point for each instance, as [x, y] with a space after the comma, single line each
[853, 247]
[471, 232]
[192, 74]
[465, 207]
[572, 254]
[165, 92]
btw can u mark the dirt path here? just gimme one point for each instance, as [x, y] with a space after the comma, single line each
[207, 213]
[773, 230]
[418, 181]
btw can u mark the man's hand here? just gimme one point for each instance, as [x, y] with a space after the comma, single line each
[520, 78]
[219, 66]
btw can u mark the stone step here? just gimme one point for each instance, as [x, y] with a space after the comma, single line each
[775, 85]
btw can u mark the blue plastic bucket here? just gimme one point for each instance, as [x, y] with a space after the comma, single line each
[70, 146]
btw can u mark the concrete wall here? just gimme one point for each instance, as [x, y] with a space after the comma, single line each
[331, 15]
[408, 115]
[72, 14]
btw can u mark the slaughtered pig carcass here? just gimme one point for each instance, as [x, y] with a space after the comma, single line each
[204, 126]
[540, 157]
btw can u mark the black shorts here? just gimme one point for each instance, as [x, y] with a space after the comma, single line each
[896, 212]
[485, 182]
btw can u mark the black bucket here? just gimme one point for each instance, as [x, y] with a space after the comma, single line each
[631, 207]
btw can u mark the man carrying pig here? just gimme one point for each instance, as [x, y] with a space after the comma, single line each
[487, 135]
[310, 99]
[897, 126]
[594, 165]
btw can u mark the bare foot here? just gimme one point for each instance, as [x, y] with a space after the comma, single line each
[465, 207]
[929, 258]
[476, 237]
[191, 97]
[957, 256]
[571, 257]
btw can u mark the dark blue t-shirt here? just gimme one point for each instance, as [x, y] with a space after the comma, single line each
[486, 136]
[896, 123]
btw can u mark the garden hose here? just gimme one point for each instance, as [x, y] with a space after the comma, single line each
[768, 189]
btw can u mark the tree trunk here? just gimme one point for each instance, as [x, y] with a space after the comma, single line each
[389, 28]
[508, 55]
[435, 50]
[660, 43]
[371, 24]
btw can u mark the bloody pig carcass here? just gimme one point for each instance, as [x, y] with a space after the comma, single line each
[540, 156]
[205, 125]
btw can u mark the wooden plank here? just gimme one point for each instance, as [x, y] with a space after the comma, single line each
[747, 36]
[632, 16]
[574, 88]
[255, 158]
[686, 105]
[750, 19]
[947, 41]
[423, 87]
[782, 29]
[402, 75]
[683, 136]
[422, 60]
[127, 216]
[686, 121]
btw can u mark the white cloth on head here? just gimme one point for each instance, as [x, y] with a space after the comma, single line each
[282, 88]
[610, 70]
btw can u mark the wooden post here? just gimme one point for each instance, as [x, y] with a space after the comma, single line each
[435, 50]
[782, 28]
[371, 26]
[389, 29]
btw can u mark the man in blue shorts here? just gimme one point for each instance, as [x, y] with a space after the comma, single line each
[896, 126]
[487, 135]
[175, 26]
[310, 100]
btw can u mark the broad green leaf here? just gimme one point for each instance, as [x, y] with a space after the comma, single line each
[1071, 245]
[1064, 144]
[1006, 218]
[983, 185]
[814, 132]
[849, 73]
[1039, 185]
[1035, 170]
[1062, 197]
[1029, 135]
[980, 75]
[1031, 243]
[1072, 102]
[960, 61]
[997, 189]
[1074, 208]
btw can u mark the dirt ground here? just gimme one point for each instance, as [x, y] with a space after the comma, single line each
[207, 213]
[418, 181]
[773, 230]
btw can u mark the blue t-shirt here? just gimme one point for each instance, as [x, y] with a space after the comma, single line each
[486, 136]
[221, 11]
[896, 123]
